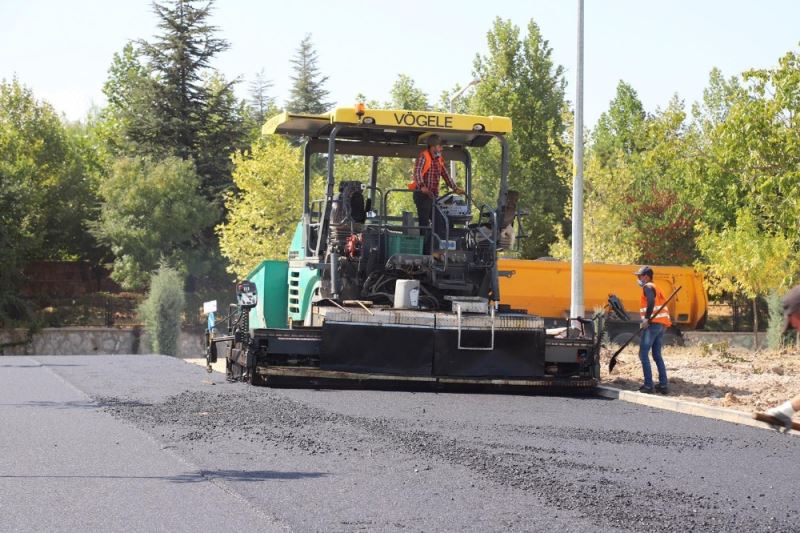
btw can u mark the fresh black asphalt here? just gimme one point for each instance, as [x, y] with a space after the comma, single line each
[151, 443]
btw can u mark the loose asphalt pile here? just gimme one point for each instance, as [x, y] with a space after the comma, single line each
[395, 460]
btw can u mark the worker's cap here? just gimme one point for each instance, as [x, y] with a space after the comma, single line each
[791, 305]
[644, 271]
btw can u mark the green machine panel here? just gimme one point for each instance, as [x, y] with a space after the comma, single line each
[271, 279]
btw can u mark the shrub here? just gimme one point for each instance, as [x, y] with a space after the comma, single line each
[161, 310]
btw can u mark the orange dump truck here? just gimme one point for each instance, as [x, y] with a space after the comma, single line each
[542, 287]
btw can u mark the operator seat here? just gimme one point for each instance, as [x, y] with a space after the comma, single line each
[350, 202]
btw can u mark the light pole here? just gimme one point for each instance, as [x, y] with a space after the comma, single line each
[576, 304]
[453, 98]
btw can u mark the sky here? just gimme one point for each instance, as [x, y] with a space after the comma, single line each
[62, 49]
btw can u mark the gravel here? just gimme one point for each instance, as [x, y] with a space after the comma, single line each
[536, 460]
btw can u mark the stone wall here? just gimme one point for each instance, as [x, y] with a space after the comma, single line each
[90, 340]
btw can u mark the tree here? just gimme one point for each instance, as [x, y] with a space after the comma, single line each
[152, 211]
[48, 189]
[262, 105]
[162, 309]
[747, 257]
[308, 93]
[73, 201]
[639, 202]
[660, 203]
[48, 179]
[519, 79]
[619, 130]
[747, 178]
[460, 105]
[224, 132]
[619, 135]
[178, 57]
[266, 206]
[406, 95]
[607, 236]
[166, 99]
[26, 130]
[130, 114]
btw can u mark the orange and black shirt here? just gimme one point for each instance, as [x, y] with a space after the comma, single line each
[429, 170]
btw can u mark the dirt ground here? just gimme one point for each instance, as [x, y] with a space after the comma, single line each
[717, 374]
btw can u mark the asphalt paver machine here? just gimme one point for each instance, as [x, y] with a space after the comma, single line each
[368, 295]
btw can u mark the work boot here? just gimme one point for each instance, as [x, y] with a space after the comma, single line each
[662, 389]
[646, 390]
[784, 414]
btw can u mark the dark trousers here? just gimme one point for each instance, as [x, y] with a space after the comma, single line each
[425, 210]
[651, 340]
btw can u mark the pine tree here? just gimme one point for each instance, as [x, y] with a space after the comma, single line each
[261, 103]
[182, 115]
[308, 93]
[178, 57]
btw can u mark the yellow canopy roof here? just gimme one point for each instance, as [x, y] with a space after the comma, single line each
[392, 126]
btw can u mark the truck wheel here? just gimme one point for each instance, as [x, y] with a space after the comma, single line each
[621, 338]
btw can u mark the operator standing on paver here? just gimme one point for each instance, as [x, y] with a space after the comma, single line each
[791, 320]
[428, 170]
[652, 330]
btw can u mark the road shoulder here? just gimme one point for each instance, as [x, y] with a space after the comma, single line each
[684, 407]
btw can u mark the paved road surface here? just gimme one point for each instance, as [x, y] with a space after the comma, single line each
[151, 443]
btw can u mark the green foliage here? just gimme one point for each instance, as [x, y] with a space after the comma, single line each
[639, 203]
[266, 206]
[608, 238]
[48, 176]
[461, 105]
[308, 93]
[165, 99]
[224, 131]
[406, 95]
[746, 258]
[47, 191]
[130, 112]
[620, 130]
[660, 204]
[519, 79]
[162, 310]
[151, 211]
[755, 151]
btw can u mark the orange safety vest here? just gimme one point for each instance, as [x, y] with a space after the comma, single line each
[663, 316]
[426, 166]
